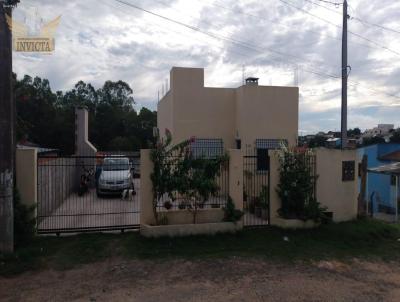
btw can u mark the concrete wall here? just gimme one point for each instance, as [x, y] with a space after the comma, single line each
[266, 112]
[146, 188]
[379, 184]
[165, 114]
[274, 200]
[184, 216]
[26, 175]
[251, 111]
[340, 197]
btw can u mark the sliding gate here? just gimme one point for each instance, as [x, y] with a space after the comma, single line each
[84, 193]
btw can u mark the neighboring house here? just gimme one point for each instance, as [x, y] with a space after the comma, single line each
[48, 152]
[333, 142]
[382, 130]
[243, 117]
[379, 185]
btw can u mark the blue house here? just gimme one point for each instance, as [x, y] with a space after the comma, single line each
[379, 186]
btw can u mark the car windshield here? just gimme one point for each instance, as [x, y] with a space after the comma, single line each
[116, 164]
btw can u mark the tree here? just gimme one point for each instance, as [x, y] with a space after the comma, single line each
[353, 132]
[367, 141]
[317, 141]
[395, 136]
[47, 118]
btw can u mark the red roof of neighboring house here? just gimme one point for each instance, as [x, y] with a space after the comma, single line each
[393, 156]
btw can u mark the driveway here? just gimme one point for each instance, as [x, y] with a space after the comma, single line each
[234, 279]
[90, 211]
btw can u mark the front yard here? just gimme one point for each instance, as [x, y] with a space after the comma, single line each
[364, 239]
[355, 261]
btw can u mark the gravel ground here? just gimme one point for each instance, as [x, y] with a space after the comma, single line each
[234, 279]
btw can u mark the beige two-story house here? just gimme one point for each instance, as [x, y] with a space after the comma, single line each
[242, 117]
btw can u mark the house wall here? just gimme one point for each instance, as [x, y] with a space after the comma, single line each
[340, 197]
[165, 114]
[378, 183]
[267, 112]
[190, 109]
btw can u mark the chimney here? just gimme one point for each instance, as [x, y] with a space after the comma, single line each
[252, 81]
[82, 145]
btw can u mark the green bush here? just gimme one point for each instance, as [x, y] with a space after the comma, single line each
[24, 221]
[296, 187]
[230, 213]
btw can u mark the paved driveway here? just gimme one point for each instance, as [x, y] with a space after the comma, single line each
[90, 211]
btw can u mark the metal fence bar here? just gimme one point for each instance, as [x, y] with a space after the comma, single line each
[87, 192]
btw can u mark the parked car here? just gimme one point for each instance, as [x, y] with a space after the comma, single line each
[115, 176]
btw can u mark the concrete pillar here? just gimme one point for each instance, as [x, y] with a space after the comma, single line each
[146, 188]
[83, 147]
[236, 177]
[26, 175]
[275, 202]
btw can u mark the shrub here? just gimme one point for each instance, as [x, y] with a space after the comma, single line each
[231, 213]
[24, 221]
[296, 187]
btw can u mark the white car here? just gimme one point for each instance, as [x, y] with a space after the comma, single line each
[115, 176]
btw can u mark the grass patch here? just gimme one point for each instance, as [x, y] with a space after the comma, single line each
[361, 239]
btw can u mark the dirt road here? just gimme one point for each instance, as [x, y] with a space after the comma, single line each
[234, 279]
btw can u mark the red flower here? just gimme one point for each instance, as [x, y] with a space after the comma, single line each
[192, 139]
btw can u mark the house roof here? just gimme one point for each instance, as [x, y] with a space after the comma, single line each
[393, 156]
[333, 139]
[391, 169]
[40, 150]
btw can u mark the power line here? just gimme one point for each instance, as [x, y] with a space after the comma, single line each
[237, 42]
[338, 26]
[330, 2]
[364, 22]
[215, 36]
[290, 27]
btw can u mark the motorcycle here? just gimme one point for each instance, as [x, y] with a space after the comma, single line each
[85, 181]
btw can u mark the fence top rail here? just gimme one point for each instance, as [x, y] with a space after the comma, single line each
[94, 156]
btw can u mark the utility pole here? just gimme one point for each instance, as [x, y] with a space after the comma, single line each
[344, 78]
[7, 141]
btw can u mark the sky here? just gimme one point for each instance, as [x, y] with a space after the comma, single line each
[283, 42]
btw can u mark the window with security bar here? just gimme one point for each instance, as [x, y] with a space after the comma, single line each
[262, 146]
[348, 170]
[207, 147]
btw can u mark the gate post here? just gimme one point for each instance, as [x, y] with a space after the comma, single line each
[236, 177]
[146, 188]
[26, 175]
[274, 201]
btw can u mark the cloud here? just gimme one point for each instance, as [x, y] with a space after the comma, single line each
[106, 40]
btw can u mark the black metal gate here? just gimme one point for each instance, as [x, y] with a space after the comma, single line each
[256, 192]
[84, 193]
